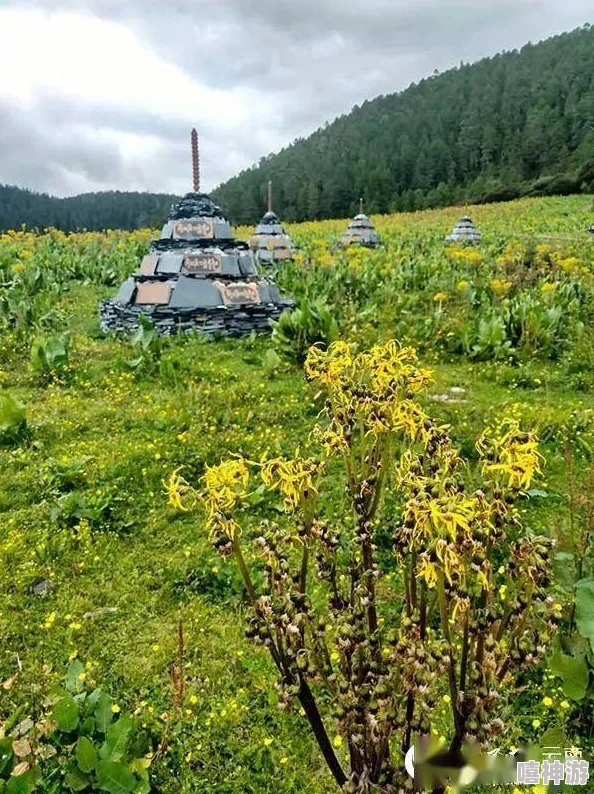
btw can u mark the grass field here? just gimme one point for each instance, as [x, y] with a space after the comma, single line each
[85, 517]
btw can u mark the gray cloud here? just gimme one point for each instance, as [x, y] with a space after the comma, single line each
[300, 63]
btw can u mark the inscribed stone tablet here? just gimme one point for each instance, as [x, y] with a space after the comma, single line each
[156, 292]
[239, 293]
[201, 264]
[193, 229]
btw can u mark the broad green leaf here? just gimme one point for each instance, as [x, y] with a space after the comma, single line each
[584, 609]
[74, 683]
[554, 737]
[65, 713]
[22, 784]
[103, 712]
[574, 674]
[93, 698]
[12, 413]
[76, 780]
[564, 567]
[117, 739]
[86, 755]
[87, 727]
[6, 757]
[140, 768]
[115, 777]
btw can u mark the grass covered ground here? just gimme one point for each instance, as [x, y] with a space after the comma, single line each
[85, 517]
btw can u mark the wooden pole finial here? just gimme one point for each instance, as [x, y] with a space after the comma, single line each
[195, 162]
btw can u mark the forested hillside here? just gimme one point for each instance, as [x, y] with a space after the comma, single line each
[106, 210]
[520, 123]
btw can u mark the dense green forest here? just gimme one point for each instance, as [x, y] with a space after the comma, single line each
[105, 210]
[520, 123]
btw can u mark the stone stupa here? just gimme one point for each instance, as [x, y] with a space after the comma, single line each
[360, 231]
[270, 243]
[464, 232]
[196, 276]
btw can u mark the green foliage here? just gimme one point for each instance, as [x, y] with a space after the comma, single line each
[584, 609]
[272, 362]
[573, 659]
[294, 333]
[50, 356]
[147, 345]
[98, 750]
[573, 672]
[13, 420]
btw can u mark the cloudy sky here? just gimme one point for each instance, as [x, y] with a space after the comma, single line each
[102, 94]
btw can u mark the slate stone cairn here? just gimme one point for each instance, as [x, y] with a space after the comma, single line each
[196, 276]
[360, 231]
[270, 243]
[464, 232]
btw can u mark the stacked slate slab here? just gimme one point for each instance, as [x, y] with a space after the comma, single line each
[270, 243]
[196, 276]
[464, 232]
[360, 231]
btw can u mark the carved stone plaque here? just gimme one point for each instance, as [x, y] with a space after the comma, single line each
[239, 293]
[156, 292]
[201, 263]
[193, 229]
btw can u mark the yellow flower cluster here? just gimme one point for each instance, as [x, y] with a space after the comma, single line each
[469, 256]
[500, 287]
[225, 486]
[177, 488]
[510, 456]
[295, 479]
[372, 391]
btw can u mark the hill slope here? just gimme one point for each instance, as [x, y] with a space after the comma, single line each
[481, 131]
[105, 210]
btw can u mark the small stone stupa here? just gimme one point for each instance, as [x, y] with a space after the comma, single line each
[196, 276]
[270, 243]
[464, 232]
[360, 231]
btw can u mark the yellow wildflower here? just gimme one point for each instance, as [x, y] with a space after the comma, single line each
[177, 488]
[295, 479]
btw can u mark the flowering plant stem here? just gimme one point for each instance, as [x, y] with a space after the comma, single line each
[383, 654]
